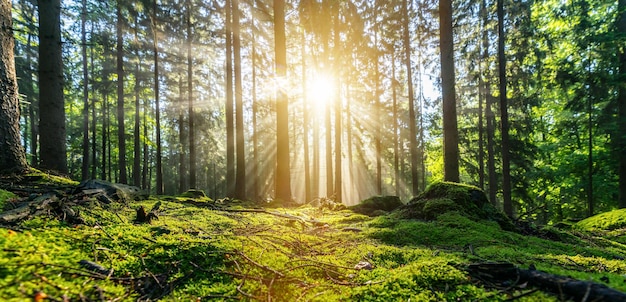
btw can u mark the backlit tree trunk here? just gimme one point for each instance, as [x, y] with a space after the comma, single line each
[450, 131]
[504, 115]
[240, 178]
[121, 132]
[283, 176]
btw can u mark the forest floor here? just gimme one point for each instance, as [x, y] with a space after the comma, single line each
[196, 249]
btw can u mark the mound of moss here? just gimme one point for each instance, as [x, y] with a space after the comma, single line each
[4, 197]
[445, 197]
[606, 221]
[377, 205]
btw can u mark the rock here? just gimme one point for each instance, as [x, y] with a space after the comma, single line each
[364, 265]
[444, 197]
[114, 191]
[377, 205]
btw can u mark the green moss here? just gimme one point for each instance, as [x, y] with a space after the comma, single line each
[5, 196]
[444, 197]
[197, 253]
[40, 177]
[605, 221]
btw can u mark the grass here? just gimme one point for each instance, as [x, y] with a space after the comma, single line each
[208, 251]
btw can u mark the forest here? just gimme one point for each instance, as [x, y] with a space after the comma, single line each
[332, 99]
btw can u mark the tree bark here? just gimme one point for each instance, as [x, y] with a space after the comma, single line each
[230, 127]
[412, 118]
[83, 39]
[240, 178]
[159, 156]
[504, 115]
[52, 124]
[621, 100]
[121, 132]
[450, 131]
[338, 106]
[190, 100]
[283, 177]
[12, 156]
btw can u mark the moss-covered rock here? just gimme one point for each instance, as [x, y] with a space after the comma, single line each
[4, 197]
[377, 205]
[194, 193]
[444, 197]
[606, 221]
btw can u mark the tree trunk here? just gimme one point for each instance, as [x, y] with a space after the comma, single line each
[378, 122]
[504, 118]
[136, 136]
[52, 124]
[412, 118]
[230, 131]
[283, 177]
[489, 114]
[450, 131]
[190, 83]
[240, 178]
[83, 39]
[255, 129]
[621, 100]
[338, 109]
[305, 126]
[12, 156]
[121, 132]
[159, 156]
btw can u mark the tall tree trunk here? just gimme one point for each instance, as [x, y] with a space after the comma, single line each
[489, 114]
[136, 128]
[504, 119]
[182, 135]
[230, 127]
[450, 131]
[157, 114]
[338, 105]
[621, 100]
[240, 179]
[283, 175]
[121, 132]
[12, 155]
[412, 118]
[83, 39]
[192, 135]
[52, 124]
[94, 142]
[255, 129]
[378, 123]
[305, 125]
[396, 138]
[34, 108]
[105, 130]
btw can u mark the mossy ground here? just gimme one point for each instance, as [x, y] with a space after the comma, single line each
[194, 252]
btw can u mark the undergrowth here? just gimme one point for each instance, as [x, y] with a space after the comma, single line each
[205, 251]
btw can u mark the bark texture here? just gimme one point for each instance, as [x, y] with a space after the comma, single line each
[11, 152]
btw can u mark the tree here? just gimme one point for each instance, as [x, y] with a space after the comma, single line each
[283, 176]
[450, 132]
[11, 152]
[621, 28]
[155, 46]
[240, 177]
[52, 123]
[85, 166]
[121, 133]
[504, 115]
[190, 99]
[412, 117]
[230, 123]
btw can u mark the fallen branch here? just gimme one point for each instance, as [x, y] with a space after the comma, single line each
[571, 288]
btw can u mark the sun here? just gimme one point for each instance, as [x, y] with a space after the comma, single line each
[320, 91]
